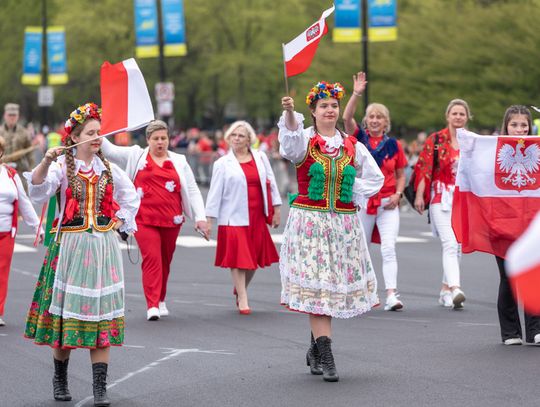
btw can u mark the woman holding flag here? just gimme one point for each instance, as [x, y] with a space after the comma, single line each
[517, 122]
[325, 266]
[168, 192]
[435, 178]
[382, 211]
[79, 296]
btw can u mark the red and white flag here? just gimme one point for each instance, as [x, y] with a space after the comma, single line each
[125, 101]
[497, 190]
[299, 52]
[523, 267]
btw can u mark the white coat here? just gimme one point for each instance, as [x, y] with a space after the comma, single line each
[133, 159]
[227, 199]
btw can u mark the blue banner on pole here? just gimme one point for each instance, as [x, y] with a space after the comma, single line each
[174, 33]
[347, 21]
[56, 56]
[146, 29]
[382, 20]
[32, 56]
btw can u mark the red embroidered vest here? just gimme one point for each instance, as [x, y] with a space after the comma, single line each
[335, 195]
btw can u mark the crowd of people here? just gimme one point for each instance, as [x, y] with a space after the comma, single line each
[349, 187]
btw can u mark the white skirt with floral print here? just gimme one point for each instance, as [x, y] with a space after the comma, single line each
[325, 265]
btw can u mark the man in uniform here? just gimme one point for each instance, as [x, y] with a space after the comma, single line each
[17, 138]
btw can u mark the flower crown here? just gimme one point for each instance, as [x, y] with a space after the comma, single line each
[324, 90]
[79, 116]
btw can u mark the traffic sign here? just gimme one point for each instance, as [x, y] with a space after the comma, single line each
[45, 96]
[164, 91]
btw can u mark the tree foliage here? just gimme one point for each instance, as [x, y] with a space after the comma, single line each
[482, 51]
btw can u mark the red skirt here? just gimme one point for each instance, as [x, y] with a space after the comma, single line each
[247, 247]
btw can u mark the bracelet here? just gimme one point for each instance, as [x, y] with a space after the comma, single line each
[400, 193]
[356, 94]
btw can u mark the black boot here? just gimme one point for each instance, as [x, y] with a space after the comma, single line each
[313, 358]
[60, 382]
[100, 384]
[327, 359]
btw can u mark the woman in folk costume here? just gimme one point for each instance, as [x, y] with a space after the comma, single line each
[13, 201]
[169, 193]
[79, 297]
[382, 211]
[325, 266]
[243, 198]
[435, 179]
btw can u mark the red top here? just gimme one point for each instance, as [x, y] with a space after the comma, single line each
[444, 175]
[159, 189]
[389, 167]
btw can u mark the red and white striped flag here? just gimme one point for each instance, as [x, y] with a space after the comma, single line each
[497, 190]
[523, 267]
[125, 101]
[299, 52]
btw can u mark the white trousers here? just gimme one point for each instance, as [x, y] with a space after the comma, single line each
[388, 224]
[451, 252]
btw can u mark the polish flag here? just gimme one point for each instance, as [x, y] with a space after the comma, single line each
[125, 101]
[497, 190]
[523, 267]
[299, 52]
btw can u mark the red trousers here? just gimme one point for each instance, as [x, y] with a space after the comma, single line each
[7, 244]
[157, 246]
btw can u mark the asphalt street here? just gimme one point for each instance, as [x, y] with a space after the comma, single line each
[206, 354]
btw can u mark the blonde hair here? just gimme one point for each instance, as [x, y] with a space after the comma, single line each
[380, 108]
[459, 102]
[241, 123]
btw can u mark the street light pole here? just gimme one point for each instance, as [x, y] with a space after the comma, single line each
[44, 70]
[365, 39]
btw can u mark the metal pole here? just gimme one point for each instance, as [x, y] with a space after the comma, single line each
[44, 70]
[365, 39]
[160, 39]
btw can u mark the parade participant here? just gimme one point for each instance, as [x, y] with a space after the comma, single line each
[325, 266]
[382, 211]
[434, 184]
[168, 192]
[242, 186]
[516, 122]
[16, 139]
[13, 200]
[79, 297]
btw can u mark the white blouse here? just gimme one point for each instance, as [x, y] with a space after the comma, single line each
[294, 144]
[9, 192]
[124, 192]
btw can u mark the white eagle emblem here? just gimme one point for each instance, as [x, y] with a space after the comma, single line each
[518, 165]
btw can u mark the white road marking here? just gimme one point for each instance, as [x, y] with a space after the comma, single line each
[3, 334]
[134, 346]
[25, 273]
[21, 248]
[405, 239]
[475, 324]
[172, 353]
[215, 305]
[420, 321]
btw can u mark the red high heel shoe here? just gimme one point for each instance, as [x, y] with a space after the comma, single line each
[246, 311]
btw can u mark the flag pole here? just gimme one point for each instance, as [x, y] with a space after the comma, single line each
[285, 71]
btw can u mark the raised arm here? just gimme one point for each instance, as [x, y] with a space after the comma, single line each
[359, 85]
[117, 154]
[292, 141]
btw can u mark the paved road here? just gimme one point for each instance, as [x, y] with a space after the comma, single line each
[206, 354]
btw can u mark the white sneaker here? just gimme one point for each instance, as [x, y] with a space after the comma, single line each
[163, 311]
[152, 314]
[2, 323]
[392, 302]
[445, 298]
[458, 298]
[536, 338]
[515, 341]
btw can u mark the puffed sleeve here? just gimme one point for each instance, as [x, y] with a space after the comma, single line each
[276, 197]
[369, 178]
[26, 209]
[213, 199]
[41, 193]
[127, 198]
[292, 143]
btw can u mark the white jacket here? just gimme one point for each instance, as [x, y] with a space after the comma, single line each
[133, 159]
[227, 199]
